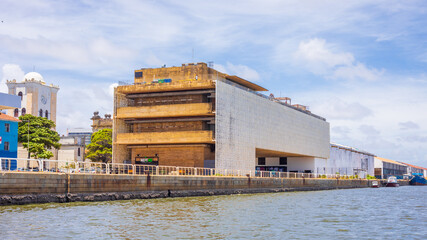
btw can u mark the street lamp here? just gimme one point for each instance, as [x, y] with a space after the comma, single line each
[28, 137]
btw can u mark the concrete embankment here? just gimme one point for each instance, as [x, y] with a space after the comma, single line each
[25, 188]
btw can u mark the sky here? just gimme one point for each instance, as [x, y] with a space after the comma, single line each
[360, 64]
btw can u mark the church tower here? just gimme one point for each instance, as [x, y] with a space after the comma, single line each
[37, 98]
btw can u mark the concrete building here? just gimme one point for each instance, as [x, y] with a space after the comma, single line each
[195, 116]
[349, 161]
[343, 160]
[414, 169]
[99, 123]
[37, 98]
[386, 167]
[73, 145]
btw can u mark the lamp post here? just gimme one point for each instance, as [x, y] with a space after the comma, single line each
[28, 137]
[28, 142]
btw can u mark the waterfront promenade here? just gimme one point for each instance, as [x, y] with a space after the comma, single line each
[110, 182]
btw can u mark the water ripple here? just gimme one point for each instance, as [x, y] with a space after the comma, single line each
[385, 213]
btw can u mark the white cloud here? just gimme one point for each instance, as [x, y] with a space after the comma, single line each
[408, 125]
[324, 60]
[240, 70]
[337, 109]
[10, 72]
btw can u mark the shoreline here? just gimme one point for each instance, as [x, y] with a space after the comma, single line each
[22, 199]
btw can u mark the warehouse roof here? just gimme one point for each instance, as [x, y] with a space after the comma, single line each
[390, 161]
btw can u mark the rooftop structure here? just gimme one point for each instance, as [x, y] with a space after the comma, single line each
[195, 116]
[99, 122]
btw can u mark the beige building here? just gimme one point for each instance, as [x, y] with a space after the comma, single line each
[99, 122]
[37, 98]
[195, 116]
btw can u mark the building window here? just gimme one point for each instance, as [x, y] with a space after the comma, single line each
[283, 160]
[7, 127]
[23, 111]
[6, 146]
[78, 152]
[46, 114]
[16, 112]
[21, 95]
[41, 113]
[138, 74]
[261, 161]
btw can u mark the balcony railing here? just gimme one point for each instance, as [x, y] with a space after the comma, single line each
[177, 137]
[173, 110]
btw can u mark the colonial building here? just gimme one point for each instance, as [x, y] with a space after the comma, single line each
[99, 123]
[195, 116]
[37, 98]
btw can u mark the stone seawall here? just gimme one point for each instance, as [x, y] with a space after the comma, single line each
[24, 188]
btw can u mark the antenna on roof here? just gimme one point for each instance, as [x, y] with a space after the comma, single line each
[34, 68]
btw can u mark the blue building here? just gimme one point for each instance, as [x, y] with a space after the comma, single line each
[8, 130]
[8, 136]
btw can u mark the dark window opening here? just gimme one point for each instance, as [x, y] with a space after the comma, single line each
[21, 95]
[6, 146]
[16, 112]
[7, 127]
[41, 113]
[138, 74]
[47, 114]
[261, 161]
[23, 111]
[78, 152]
[283, 160]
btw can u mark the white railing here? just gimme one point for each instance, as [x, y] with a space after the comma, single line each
[68, 166]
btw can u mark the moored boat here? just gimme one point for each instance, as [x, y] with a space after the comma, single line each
[375, 184]
[418, 179]
[392, 182]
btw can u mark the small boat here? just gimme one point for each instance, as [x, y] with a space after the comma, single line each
[375, 184]
[392, 182]
[418, 179]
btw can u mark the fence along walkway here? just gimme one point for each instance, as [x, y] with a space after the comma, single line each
[61, 166]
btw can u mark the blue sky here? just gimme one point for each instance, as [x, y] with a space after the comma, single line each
[360, 64]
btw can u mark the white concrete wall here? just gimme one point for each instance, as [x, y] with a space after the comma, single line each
[66, 153]
[301, 164]
[345, 161]
[245, 121]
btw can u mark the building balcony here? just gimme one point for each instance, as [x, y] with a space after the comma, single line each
[166, 87]
[159, 111]
[183, 137]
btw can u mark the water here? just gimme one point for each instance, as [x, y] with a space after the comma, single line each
[385, 213]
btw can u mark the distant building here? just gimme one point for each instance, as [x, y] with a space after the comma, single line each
[8, 126]
[350, 161]
[73, 145]
[99, 123]
[37, 98]
[414, 169]
[386, 167]
[195, 116]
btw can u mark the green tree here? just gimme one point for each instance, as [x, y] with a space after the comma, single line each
[100, 147]
[39, 134]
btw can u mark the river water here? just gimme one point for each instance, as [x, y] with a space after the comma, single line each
[368, 213]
